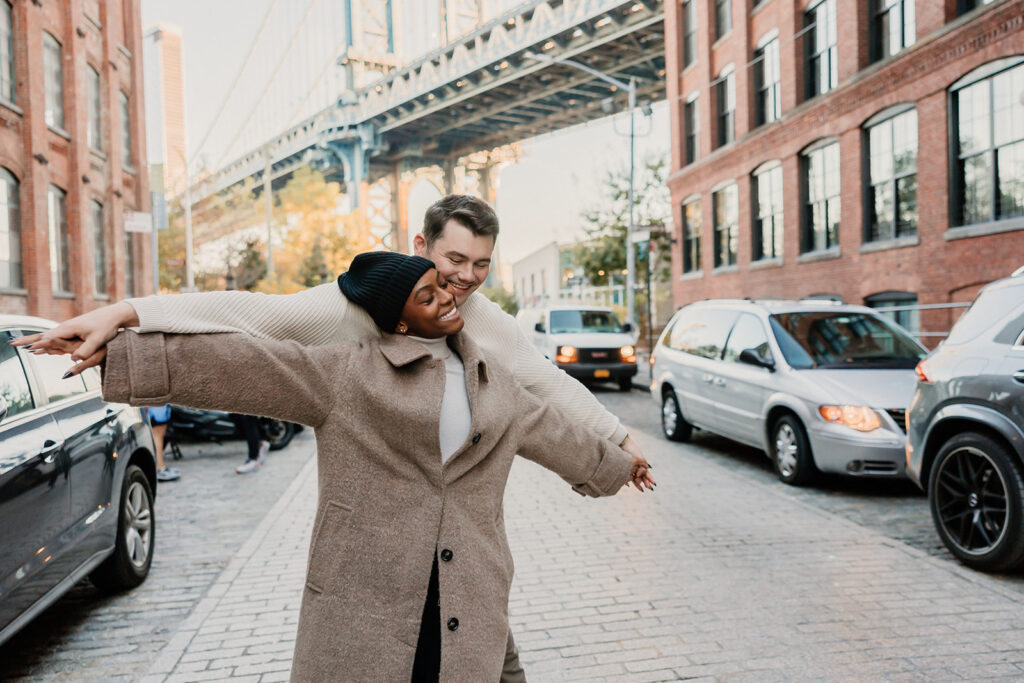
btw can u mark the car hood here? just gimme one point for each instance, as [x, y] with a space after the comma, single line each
[593, 340]
[882, 389]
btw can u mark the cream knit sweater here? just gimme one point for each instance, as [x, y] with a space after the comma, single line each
[322, 315]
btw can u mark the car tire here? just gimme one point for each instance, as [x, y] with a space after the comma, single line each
[279, 433]
[626, 384]
[791, 452]
[129, 564]
[673, 425]
[976, 496]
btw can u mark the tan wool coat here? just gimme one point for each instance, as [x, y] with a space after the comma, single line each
[385, 500]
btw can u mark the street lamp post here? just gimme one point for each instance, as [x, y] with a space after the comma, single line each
[630, 88]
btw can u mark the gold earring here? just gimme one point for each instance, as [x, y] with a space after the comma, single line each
[402, 328]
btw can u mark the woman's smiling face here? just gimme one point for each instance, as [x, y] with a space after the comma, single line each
[430, 309]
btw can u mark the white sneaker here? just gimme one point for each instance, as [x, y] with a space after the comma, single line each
[248, 466]
[264, 449]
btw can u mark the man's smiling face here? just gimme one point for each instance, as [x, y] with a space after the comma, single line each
[462, 258]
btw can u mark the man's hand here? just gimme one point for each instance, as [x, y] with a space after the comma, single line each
[640, 475]
[84, 337]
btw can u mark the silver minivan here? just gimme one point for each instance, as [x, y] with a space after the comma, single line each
[819, 386]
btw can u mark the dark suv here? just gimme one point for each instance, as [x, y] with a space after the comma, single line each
[965, 438]
[77, 482]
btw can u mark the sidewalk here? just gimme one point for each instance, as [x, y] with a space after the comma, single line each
[711, 576]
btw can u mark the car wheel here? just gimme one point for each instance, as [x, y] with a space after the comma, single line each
[129, 564]
[975, 492]
[625, 384]
[673, 424]
[279, 433]
[791, 452]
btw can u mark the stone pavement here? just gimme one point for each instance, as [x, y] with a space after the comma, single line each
[711, 576]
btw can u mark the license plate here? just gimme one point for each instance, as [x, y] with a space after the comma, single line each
[602, 373]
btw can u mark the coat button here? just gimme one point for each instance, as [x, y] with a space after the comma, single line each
[453, 624]
[446, 555]
[476, 437]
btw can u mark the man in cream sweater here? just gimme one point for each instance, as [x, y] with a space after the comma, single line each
[459, 232]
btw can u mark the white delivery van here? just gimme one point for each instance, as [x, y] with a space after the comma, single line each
[588, 342]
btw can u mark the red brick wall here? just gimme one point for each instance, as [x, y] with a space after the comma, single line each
[91, 32]
[937, 270]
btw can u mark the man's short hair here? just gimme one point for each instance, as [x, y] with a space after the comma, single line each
[468, 211]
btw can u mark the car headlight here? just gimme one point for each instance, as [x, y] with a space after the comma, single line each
[861, 418]
[628, 354]
[567, 354]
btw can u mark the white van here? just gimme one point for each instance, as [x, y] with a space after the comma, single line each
[588, 342]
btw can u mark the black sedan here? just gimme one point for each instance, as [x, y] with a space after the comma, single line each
[77, 482]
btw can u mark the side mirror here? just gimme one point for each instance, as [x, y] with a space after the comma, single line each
[627, 327]
[752, 357]
[539, 327]
[3, 408]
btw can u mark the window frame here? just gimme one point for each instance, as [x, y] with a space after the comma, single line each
[892, 298]
[59, 240]
[53, 82]
[691, 135]
[881, 31]
[99, 240]
[888, 118]
[812, 53]
[807, 231]
[8, 78]
[725, 119]
[772, 169]
[723, 20]
[94, 93]
[730, 230]
[13, 218]
[690, 237]
[764, 89]
[688, 19]
[124, 105]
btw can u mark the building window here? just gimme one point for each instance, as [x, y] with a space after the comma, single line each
[691, 235]
[689, 14]
[988, 116]
[723, 17]
[691, 122]
[820, 39]
[724, 206]
[767, 233]
[126, 131]
[906, 315]
[892, 169]
[60, 269]
[10, 232]
[965, 6]
[766, 82]
[129, 264]
[892, 27]
[6, 52]
[821, 209]
[99, 243]
[54, 85]
[725, 101]
[94, 130]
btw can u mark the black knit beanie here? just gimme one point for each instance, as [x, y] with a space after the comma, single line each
[381, 281]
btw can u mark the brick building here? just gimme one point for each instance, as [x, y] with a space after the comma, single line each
[72, 155]
[872, 150]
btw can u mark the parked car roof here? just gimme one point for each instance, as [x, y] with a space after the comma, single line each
[12, 320]
[783, 305]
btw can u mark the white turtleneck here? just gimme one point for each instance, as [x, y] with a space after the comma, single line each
[456, 415]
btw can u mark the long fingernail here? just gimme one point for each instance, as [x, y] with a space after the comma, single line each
[67, 374]
[28, 346]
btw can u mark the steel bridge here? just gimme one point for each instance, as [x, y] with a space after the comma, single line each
[453, 116]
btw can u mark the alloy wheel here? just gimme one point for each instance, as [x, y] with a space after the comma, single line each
[971, 500]
[138, 526]
[669, 415]
[787, 450]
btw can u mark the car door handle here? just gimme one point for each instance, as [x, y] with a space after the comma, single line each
[718, 381]
[1019, 376]
[50, 448]
[707, 378]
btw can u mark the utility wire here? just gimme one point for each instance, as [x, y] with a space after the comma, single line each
[270, 81]
[238, 77]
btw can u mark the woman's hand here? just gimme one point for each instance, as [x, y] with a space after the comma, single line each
[84, 337]
[640, 475]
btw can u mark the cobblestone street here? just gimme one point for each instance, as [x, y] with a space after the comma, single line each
[722, 573]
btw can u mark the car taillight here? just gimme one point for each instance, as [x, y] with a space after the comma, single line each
[922, 373]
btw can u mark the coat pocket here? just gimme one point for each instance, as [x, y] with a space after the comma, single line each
[328, 544]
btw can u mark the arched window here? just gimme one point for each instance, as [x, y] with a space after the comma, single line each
[988, 128]
[725, 105]
[892, 174]
[60, 268]
[821, 197]
[10, 232]
[766, 186]
[691, 232]
[99, 242]
[725, 222]
[53, 69]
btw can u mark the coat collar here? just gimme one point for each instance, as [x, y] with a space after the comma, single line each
[401, 351]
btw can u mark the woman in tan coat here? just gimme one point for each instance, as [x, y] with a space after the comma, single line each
[411, 469]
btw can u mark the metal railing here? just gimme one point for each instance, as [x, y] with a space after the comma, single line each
[924, 307]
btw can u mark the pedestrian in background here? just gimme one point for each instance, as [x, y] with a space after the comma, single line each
[159, 416]
[249, 427]
[415, 438]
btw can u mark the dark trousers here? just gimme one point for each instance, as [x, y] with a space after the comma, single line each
[249, 426]
[426, 668]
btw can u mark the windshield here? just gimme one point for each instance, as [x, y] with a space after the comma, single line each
[841, 339]
[584, 321]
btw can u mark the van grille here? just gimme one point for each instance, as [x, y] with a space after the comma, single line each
[900, 416]
[600, 356]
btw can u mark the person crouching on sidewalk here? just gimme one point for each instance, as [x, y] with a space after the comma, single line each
[409, 566]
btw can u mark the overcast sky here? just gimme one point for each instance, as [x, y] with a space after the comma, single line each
[540, 198]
